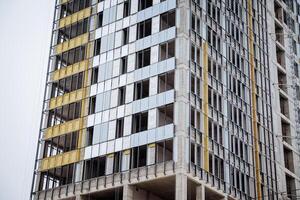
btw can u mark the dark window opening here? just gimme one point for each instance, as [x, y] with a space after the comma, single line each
[89, 136]
[143, 4]
[144, 29]
[126, 10]
[92, 105]
[125, 39]
[165, 82]
[60, 144]
[63, 114]
[139, 156]
[117, 162]
[140, 122]
[165, 115]
[120, 128]
[141, 89]
[97, 47]
[167, 50]
[69, 57]
[143, 58]
[94, 167]
[164, 151]
[73, 6]
[94, 78]
[66, 85]
[122, 93]
[123, 68]
[72, 31]
[167, 20]
[57, 177]
[100, 19]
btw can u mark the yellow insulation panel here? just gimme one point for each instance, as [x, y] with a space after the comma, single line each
[60, 160]
[253, 100]
[205, 107]
[63, 1]
[82, 14]
[65, 99]
[70, 70]
[63, 128]
[73, 43]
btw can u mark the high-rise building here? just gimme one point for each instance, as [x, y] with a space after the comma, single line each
[171, 100]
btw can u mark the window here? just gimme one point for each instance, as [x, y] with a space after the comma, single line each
[126, 10]
[123, 67]
[296, 70]
[125, 35]
[117, 162]
[66, 85]
[94, 78]
[69, 57]
[97, 47]
[89, 136]
[141, 89]
[64, 113]
[60, 144]
[167, 20]
[94, 167]
[92, 105]
[139, 156]
[73, 6]
[120, 128]
[143, 4]
[165, 115]
[165, 82]
[144, 29]
[167, 50]
[143, 58]
[100, 19]
[122, 92]
[72, 31]
[139, 122]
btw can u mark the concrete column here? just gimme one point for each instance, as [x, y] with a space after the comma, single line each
[128, 192]
[181, 187]
[200, 192]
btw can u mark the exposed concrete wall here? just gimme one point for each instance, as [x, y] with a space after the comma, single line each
[134, 193]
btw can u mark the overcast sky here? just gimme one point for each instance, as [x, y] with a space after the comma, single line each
[24, 46]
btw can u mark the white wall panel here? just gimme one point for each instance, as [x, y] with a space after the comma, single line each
[153, 85]
[112, 130]
[118, 39]
[152, 118]
[127, 125]
[134, 6]
[129, 93]
[131, 63]
[120, 11]
[119, 144]
[114, 98]
[116, 67]
[132, 33]
[150, 154]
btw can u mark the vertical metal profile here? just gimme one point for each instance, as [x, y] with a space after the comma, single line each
[32, 193]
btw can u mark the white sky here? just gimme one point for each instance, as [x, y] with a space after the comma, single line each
[25, 28]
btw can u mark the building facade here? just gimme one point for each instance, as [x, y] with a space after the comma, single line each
[171, 100]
